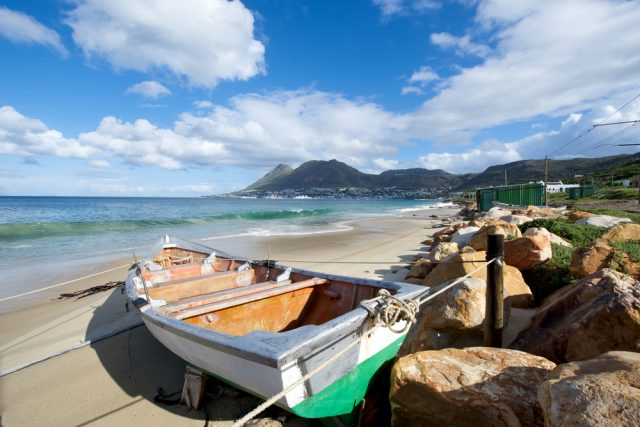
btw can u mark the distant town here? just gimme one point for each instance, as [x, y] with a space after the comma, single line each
[339, 193]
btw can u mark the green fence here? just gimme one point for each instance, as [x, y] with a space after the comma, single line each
[580, 192]
[521, 195]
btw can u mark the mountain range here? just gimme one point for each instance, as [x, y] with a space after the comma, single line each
[335, 174]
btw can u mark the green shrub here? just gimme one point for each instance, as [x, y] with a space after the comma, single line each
[550, 276]
[630, 247]
[576, 234]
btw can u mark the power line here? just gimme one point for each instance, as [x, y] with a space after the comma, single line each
[603, 142]
[594, 126]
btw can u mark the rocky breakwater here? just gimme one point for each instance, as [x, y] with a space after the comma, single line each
[455, 383]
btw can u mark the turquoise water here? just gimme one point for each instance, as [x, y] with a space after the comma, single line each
[72, 227]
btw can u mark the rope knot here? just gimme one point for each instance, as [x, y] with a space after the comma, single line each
[391, 310]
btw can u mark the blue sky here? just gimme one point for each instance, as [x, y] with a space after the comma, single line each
[149, 98]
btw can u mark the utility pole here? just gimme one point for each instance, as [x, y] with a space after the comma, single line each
[505, 177]
[546, 176]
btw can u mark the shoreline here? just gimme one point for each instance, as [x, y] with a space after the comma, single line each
[40, 326]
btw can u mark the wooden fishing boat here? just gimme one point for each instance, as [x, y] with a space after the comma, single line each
[261, 327]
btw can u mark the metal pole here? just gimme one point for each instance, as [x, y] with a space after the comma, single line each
[494, 321]
[546, 176]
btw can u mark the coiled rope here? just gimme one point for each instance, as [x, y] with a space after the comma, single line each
[389, 311]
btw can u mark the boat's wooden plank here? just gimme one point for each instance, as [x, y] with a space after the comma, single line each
[214, 282]
[188, 270]
[275, 314]
[201, 299]
[233, 298]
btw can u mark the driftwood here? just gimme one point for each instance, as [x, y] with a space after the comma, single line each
[92, 290]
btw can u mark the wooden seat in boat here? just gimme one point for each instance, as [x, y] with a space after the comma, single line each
[214, 301]
[174, 290]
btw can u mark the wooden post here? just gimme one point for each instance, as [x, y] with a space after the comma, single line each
[546, 177]
[495, 301]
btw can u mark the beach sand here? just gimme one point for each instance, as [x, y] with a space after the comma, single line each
[96, 366]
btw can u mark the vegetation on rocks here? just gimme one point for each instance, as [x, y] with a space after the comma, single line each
[576, 234]
[552, 275]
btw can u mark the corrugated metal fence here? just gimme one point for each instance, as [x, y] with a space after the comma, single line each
[521, 194]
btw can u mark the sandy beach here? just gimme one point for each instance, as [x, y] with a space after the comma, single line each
[89, 361]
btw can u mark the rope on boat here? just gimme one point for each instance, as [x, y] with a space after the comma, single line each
[393, 310]
[64, 283]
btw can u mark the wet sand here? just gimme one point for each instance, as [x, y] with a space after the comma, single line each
[100, 368]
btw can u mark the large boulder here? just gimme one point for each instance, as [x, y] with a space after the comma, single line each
[472, 387]
[515, 219]
[576, 215]
[420, 269]
[553, 238]
[479, 239]
[442, 250]
[463, 235]
[599, 313]
[528, 251]
[588, 259]
[621, 233]
[601, 392]
[452, 319]
[496, 212]
[460, 264]
[604, 221]
[543, 212]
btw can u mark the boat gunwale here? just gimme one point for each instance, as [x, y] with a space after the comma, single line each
[275, 349]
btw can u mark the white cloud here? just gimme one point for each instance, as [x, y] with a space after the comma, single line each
[474, 160]
[21, 28]
[100, 164]
[24, 136]
[204, 42]
[149, 89]
[405, 7]
[551, 58]
[412, 90]
[461, 45]
[203, 104]
[424, 75]
[419, 79]
[381, 164]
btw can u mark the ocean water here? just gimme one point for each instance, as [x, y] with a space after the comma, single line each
[52, 228]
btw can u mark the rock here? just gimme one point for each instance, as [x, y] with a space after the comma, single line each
[444, 232]
[597, 314]
[515, 219]
[542, 212]
[576, 215]
[472, 387]
[496, 213]
[591, 258]
[528, 251]
[604, 221]
[457, 265]
[601, 392]
[442, 250]
[554, 238]
[463, 235]
[621, 233]
[420, 269]
[560, 241]
[479, 239]
[452, 319]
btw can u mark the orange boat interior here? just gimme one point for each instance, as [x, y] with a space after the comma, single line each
[239, 302]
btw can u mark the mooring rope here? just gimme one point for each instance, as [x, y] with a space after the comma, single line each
[383, 316]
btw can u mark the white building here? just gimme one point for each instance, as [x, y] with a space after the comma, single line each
[559, 187]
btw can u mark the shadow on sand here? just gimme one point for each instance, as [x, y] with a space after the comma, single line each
[141, 366]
